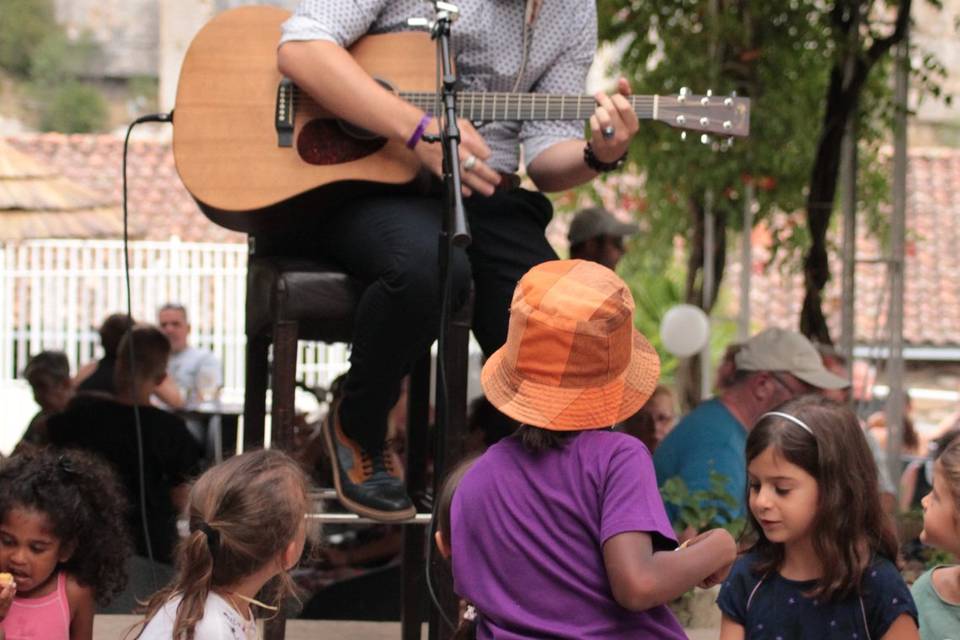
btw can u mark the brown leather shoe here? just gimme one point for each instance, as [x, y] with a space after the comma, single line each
[368, 483]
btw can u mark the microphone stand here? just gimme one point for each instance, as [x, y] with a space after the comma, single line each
[455, 217]
[455, 235]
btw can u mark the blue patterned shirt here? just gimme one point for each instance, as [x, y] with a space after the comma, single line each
[774, 608]
[488, 45]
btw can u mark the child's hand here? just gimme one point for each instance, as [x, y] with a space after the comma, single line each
[726, 554]
[7, 591]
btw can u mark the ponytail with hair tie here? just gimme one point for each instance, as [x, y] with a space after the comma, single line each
[229, 508]
[213, 538]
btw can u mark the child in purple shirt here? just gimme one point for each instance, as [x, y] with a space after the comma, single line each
[559, 531]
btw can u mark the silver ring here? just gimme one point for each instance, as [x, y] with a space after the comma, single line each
[608, 132]
[470, 163]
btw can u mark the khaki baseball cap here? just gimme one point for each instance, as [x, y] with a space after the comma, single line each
[594, 222]
[783, 350]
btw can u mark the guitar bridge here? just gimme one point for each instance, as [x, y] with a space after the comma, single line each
[283, 113]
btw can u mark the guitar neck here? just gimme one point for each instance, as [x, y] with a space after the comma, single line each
[488, 107]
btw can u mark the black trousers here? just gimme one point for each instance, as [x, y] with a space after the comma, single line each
[391, 243]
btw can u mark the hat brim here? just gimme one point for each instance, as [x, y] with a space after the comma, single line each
[821, 379]
[559, 408]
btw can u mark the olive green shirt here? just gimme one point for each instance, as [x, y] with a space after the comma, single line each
[939, 619]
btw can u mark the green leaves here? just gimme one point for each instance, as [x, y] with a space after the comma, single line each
[54, 67]
[24, 24]
[74, 108]
[776, 53]
[703, 509]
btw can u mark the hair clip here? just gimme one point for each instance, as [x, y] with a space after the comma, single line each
[213, 537]
[470, 613]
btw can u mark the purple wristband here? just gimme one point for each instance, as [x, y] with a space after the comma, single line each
[418, 132]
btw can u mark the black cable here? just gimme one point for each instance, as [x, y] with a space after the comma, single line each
[444, 394]
[154, 117]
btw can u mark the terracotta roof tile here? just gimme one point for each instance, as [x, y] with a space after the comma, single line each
[157, 199]
[932, 290]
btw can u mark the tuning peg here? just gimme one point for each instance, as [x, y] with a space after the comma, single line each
[705, 139]
[683, 136]
[681, 120]
[704, 121]
[684, 92]
[727, 125]
[709, 93]
[726, 143]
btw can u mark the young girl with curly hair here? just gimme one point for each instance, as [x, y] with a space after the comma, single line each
[821, 563]
[247, 529]
[62, 540]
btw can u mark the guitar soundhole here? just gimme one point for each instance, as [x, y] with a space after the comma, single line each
[323, 141]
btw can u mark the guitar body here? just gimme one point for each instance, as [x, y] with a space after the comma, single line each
[225, 142]
[254, 151]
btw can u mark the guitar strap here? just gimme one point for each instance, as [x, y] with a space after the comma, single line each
[533, 8]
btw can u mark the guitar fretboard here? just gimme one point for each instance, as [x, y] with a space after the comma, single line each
[726, 116]
[486, 107]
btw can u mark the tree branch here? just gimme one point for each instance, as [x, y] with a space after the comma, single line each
[880, 47]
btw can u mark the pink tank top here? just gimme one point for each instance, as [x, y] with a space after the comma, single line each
[46, 618]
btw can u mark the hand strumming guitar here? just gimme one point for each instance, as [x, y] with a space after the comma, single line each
[475, 174]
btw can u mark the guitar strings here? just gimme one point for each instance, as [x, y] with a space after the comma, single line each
[512, 106]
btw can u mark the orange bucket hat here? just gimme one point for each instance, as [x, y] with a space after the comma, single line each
[572, 359]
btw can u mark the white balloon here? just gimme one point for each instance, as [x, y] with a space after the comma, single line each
[684, 330]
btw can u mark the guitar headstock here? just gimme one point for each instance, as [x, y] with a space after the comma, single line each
[722, 115]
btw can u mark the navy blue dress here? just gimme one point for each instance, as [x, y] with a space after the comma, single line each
[772, 607]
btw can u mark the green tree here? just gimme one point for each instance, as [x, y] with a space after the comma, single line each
[24, 24]
[34, 48]
[863, 39]
[65, 101]
[769, 51]
[784, 56]
[58, 59]
[74, 107]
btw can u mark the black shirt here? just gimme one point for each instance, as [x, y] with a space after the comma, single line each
[102, 377]
[170, 457]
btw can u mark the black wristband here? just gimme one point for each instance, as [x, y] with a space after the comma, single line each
[590, 159]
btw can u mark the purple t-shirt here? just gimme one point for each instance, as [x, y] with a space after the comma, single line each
[528, 532]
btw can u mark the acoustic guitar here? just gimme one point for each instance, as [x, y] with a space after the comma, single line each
[248, 143]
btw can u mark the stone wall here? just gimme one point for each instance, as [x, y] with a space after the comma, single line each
[127, 30]
[141, 37]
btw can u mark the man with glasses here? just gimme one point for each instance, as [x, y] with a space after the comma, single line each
[772, 367]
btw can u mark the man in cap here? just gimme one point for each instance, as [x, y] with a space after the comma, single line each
[596, 235]
[772, 367]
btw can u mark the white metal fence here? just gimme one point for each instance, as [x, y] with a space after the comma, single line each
[55, 293]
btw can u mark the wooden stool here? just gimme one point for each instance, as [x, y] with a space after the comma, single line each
[291, 299]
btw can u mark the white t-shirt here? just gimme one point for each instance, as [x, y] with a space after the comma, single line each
[220, 622]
